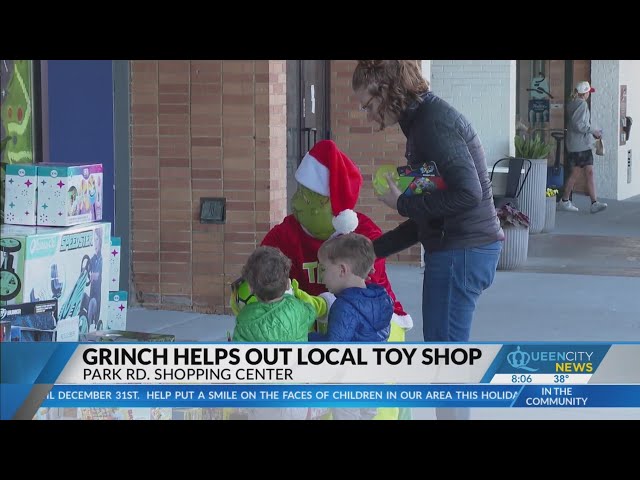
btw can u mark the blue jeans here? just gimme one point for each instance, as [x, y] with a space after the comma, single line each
[453, 282]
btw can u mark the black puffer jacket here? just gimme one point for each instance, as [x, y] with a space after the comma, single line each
[461, 216]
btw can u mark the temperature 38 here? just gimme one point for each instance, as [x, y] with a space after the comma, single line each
[560, 378]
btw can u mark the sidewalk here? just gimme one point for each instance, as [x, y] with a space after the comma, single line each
[580, 283]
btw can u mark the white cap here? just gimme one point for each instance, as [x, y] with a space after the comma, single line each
[584, 87]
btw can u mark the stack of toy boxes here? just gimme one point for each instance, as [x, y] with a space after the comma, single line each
[52, 194]
[53, 243]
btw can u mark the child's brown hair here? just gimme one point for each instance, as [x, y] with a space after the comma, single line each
[353, 249]
[267, 272]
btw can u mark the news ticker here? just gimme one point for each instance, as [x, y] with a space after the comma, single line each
[395, 374]
[343, 396]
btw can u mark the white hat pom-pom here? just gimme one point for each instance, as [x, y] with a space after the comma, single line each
[345, 222]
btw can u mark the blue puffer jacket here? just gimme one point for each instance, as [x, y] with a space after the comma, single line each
[359, 315]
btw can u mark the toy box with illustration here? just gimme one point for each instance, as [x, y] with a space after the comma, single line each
[63, 264]
[117, 315]
[20, 194]
[420, 180]
[114, 264]
[410, 180]
[69, 194]
[32, 321]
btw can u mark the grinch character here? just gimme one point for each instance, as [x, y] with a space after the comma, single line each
[328, 188]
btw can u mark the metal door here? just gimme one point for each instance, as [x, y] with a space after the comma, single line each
[307, 112]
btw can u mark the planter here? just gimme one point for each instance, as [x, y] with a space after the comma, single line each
[550, 215]
[515, 248]
[532, 198]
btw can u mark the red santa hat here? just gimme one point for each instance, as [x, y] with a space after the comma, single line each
[329, 172]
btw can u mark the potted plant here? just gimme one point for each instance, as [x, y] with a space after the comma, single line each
[532, 147]
[515, 225]
[550, 214]
[532, 201]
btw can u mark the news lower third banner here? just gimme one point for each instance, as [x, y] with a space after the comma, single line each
[506, 375]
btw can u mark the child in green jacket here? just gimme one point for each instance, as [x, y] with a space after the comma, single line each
[276, 316]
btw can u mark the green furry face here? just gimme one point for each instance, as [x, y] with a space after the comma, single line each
[313, 211]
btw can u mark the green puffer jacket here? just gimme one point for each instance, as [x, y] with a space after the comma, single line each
[288, 320]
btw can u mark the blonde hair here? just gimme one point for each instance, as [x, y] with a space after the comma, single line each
[353, 249]
[402, 80]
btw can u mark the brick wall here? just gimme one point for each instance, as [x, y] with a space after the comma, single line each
[202, 129]
[368, 148]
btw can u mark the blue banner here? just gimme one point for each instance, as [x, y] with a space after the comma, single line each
[335, 396]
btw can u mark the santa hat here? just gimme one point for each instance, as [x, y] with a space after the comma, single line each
[329, 172]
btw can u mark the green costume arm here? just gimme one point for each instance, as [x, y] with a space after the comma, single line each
[319, 304]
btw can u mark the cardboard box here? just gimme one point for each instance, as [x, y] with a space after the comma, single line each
[33, 321]
[66, 264]
[68, 329]
[117, 314]
[69, 194]
[5, 331]
[114, 264]
[20, 194]
[126, 336]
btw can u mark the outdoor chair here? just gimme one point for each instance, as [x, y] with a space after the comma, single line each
[514, 185]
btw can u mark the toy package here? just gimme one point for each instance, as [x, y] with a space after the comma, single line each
[31, 322]
[421, 180]
[63, 264]
[5, 330]
[410, 180]
[117, 314]
[114, 264]
[68, 329]
[20, 194]
[69, 194]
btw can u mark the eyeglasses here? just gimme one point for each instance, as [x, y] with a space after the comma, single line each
[367, 106]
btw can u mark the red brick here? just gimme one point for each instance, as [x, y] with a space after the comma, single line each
[179, 257]
[173, 88]
[147, 267]
[206, 141]
[174, 162]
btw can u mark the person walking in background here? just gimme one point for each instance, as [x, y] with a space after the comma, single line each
[456, 224]
[581, 138]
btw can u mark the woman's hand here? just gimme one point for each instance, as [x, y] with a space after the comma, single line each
[390, 197]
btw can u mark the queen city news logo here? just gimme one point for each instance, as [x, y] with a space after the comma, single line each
[565, 360]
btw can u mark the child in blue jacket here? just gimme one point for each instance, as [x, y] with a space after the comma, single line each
[361, 312]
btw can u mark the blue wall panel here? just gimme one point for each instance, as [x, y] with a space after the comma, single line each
[80, 94]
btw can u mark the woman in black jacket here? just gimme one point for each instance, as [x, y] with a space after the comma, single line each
[456, 223]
